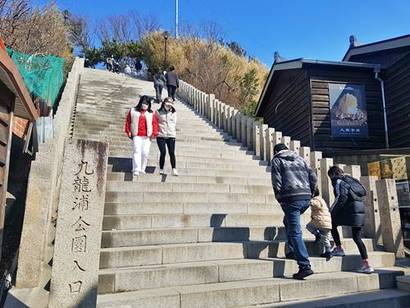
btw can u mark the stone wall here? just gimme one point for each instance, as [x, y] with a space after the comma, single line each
[36, 246]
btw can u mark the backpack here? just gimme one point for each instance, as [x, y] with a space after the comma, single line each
[356, 189]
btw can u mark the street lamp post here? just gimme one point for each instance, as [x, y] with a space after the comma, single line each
[166, 35]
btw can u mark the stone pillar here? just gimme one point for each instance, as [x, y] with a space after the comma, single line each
[233, 122]
[391, 223]
[238, 123]
[74, 277]
[229, 120]
[304, 152]
[244, 126]
[270, 143]
[220, 114]
[249, 133]
[371, 227]
[211, 99]
[295, 146]
[257, 127]
[353, 170]
[327, 188]
[263, 143]
[286, 141]
[315, 158]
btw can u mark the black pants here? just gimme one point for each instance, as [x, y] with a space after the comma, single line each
[357, 238]
[171, 91]
[170, 143]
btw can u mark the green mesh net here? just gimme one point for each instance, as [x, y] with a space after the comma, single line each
[43, 75]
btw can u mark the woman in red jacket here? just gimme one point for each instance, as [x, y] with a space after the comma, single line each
[141, 126]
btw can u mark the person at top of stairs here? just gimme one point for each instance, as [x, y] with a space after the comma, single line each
[294, 183]
[167, 121]
[348, 210]
[172, 81]
[141, 125]
[321, 223]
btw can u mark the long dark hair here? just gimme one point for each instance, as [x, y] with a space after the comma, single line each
[145, 99]
[162, 108]
[335, 172]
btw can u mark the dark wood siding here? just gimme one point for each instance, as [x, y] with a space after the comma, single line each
[320, 79]
[288, 106]
[385, 57]
[397, 88]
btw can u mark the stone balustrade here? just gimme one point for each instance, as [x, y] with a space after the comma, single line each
[260, 139]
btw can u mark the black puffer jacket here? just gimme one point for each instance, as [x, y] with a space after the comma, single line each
[348, 208]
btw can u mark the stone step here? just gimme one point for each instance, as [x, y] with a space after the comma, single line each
[167, 207]
[159, 276]
[370, 299]
[191, 197]
[188, 187]
[240, 180]
[244, 293]
[153, 170]
[126, 222]
[169, 254]
[180, 253]
[276, 249]
[350, 262]
[161, 236]
[403, 283]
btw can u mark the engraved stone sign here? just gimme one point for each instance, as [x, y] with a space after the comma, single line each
[74, 278]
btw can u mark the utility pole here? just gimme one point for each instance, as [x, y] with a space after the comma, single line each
[176, 18]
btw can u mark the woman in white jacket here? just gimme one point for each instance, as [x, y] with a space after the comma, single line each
[167, 121]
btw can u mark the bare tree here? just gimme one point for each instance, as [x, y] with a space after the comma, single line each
[143, 24]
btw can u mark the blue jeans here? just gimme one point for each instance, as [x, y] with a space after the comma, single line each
[293, 230]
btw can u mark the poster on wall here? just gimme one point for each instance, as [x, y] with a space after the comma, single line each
[374, 169]
[348, 112]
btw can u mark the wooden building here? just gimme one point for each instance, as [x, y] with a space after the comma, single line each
[338, 106]
[394, 57]
[15, 101]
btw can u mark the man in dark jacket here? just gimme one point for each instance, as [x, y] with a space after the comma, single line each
[294, 184]
[159, 83]
[172, 82]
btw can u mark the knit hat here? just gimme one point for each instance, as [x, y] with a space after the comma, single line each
[279, 147]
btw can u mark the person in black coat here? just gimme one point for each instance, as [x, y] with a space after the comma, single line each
[348, 210]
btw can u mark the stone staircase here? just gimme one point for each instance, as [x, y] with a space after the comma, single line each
[211, 237]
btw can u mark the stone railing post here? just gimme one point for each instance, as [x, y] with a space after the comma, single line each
[270, 143]
[315, 158]
[249, 133]
[244, 123]
[371, 227]
[391, 223]
[327, 188]
[286, 141]
[264, 145]
[233, 122]
[211, 99]
[353, 170]
[295, 146]
[219, 113]
[229, 111]
[304, 152]
[238, 123]
[257, 126]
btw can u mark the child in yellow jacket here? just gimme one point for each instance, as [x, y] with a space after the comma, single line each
[321, 223]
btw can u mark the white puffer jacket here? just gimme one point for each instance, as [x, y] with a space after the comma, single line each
[320, 214]
[167, 124]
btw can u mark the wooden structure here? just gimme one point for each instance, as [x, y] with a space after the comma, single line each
[296, 101]
[296, 98]
[14, 101]
[394, 57]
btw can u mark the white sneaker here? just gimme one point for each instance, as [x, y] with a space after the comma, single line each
[161, 171]
[136, 173]
[174, 172]
[142, 172]
[366, 269]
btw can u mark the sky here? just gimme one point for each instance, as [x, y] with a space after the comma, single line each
[314, 29]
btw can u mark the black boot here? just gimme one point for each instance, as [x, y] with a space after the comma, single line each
[327, 255]
[303, 273]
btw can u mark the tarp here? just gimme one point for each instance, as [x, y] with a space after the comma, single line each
[43, 75]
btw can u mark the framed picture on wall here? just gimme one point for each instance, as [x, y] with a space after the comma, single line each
[348, 110]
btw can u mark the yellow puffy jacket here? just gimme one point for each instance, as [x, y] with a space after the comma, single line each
[320, 214]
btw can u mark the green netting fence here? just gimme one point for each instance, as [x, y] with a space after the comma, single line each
[43, 75]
